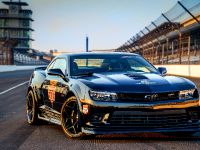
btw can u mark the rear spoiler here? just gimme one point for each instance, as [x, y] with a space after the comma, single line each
[41, 68]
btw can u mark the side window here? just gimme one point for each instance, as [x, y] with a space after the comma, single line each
[60, 64]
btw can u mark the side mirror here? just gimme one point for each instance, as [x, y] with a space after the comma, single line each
[56, 72]
[162, 70]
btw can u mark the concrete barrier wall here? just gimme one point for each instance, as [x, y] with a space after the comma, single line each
[6, 68]
[184, 70]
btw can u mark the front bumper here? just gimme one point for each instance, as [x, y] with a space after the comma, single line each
[167, 116]
[100, 131]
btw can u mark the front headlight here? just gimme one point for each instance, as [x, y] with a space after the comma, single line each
[103, 96]
[186, 94]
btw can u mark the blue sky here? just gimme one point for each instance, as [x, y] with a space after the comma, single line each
[63, 24]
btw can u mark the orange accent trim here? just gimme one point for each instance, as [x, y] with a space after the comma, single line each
[82, 100]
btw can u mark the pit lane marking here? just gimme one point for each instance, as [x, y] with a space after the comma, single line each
[14, 87]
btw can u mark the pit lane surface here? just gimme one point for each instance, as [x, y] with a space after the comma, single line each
[15, 133]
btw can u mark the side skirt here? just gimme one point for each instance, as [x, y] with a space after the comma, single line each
[50, 115]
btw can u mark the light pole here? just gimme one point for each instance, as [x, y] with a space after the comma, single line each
[87, 42]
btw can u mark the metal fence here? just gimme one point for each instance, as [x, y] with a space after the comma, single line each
[22, 59]
[173, 38]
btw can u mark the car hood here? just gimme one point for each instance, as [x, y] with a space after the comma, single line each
[136, 82]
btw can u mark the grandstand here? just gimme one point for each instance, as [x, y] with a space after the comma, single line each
[173, 38]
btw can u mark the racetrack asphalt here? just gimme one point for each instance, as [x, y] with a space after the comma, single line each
[15, 133]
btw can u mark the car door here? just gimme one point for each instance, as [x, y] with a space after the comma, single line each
[54, 87]
[61, 85]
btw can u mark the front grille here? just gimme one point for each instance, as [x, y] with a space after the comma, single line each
[152, 119]
[146, 97]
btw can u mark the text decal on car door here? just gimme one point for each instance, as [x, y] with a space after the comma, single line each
[52, 91]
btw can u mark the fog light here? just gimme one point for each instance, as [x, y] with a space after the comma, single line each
[97, 118]
[85, 109]
[105, 118]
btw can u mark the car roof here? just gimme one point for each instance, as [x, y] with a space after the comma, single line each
[95, 53]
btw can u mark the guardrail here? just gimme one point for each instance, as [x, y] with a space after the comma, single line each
[7, 68]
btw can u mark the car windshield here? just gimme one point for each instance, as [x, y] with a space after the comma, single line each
[88, 64]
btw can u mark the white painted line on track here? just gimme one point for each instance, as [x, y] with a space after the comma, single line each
[14, 87]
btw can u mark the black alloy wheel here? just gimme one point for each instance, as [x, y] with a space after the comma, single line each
[70, 118]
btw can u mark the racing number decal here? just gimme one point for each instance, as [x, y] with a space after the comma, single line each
[52, 91]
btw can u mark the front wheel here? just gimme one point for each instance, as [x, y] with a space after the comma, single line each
[70, 118]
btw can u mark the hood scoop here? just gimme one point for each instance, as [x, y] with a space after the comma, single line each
[136, 76]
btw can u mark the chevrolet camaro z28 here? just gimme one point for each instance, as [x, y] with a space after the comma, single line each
[95, 93]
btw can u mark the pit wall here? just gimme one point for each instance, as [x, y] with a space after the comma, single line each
[183, 70]
[7, 68]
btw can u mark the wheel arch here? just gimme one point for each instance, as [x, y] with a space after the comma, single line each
[30, 88]
[73, 93]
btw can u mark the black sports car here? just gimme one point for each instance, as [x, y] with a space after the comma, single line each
[95, 93]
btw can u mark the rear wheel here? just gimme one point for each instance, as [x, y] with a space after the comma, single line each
[31, 108]
[70, 118]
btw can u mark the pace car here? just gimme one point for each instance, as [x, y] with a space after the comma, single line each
[108, 93]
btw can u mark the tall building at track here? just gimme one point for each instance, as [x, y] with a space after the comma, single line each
[15, 25]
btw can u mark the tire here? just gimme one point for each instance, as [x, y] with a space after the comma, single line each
[71, 118]
[31, 109]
